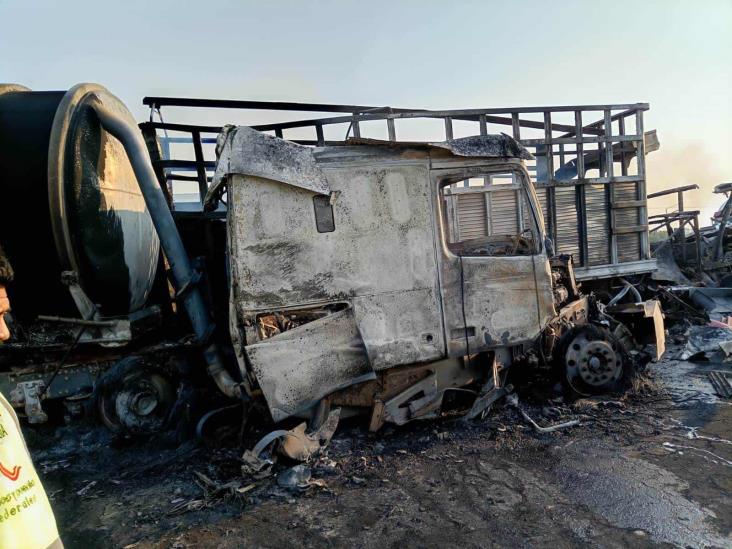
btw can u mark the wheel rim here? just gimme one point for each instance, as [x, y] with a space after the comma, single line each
[592, 365]
[140, 403]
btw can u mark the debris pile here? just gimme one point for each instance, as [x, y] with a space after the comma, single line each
[294, 445]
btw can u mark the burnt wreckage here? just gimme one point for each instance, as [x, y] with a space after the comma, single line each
[373, 275]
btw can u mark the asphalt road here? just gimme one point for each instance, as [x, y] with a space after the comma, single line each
[652, 468]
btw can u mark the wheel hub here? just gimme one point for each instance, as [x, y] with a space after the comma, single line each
[144, 403]
[592, 364]
[138, 403]
[597, 363]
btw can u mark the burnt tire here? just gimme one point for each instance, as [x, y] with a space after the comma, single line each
[134, 397]
[591, 361]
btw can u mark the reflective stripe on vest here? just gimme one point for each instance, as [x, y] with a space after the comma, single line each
[26, 518]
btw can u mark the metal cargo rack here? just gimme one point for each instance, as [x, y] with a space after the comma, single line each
[677, 221]
[589, 166]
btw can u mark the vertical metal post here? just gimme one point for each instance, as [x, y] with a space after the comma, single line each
[641, 186]
[549, 163]
[609, 153]
[200, 166]
[609, 197]
[448, 128]
[165, 143]
[391, 129]
[613, 243]
[356, 127]
[609, 175]
[319, 134]
[561, 154]
[278, 132]
[516, 126]
[483, 124]
[549, 148]
[579, 145]
[680, 201]
[621, 129]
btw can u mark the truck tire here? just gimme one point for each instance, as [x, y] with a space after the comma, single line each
[134, 398]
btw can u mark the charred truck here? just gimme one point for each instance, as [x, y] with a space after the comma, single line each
[377, 276]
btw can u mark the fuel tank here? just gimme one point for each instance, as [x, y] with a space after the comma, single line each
[70, 202]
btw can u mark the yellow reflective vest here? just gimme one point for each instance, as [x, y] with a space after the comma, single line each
[26, 517]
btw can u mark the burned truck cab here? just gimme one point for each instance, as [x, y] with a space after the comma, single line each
[352, 281]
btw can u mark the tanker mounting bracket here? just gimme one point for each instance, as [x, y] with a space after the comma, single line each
[86, 306]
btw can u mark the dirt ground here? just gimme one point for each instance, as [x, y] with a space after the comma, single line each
[651, 468]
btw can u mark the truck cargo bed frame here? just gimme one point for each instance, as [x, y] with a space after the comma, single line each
[589, 167]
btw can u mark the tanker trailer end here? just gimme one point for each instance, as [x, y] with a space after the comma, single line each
[82, 218]
[69, 203]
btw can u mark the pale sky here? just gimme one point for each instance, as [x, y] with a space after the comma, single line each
[674, 54]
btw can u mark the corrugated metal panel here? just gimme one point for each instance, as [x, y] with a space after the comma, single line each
[598, 227]
[503, 219]
[567, 226]
[628, 244]
[504, 213]
[471, 215]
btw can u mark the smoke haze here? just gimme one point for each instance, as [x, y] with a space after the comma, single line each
[684, 164]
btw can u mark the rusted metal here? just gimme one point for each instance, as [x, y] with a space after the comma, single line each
[246, 151]
[298, 367]
[28, 394]
[645, 321]
[677, 221]
[721, 383]
[394, 292]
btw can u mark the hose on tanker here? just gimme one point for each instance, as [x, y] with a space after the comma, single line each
[184, 276]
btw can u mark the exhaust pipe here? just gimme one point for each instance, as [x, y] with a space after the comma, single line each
[180, 266]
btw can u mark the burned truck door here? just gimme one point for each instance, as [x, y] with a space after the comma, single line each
[495, 278]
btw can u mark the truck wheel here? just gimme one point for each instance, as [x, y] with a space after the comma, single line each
[134, 398]
[592, 361]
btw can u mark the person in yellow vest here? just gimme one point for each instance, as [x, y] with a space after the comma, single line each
[26, 517]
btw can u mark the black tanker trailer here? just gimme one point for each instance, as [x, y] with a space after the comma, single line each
[94, 302]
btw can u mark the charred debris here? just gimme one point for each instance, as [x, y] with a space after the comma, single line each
[310, 280]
